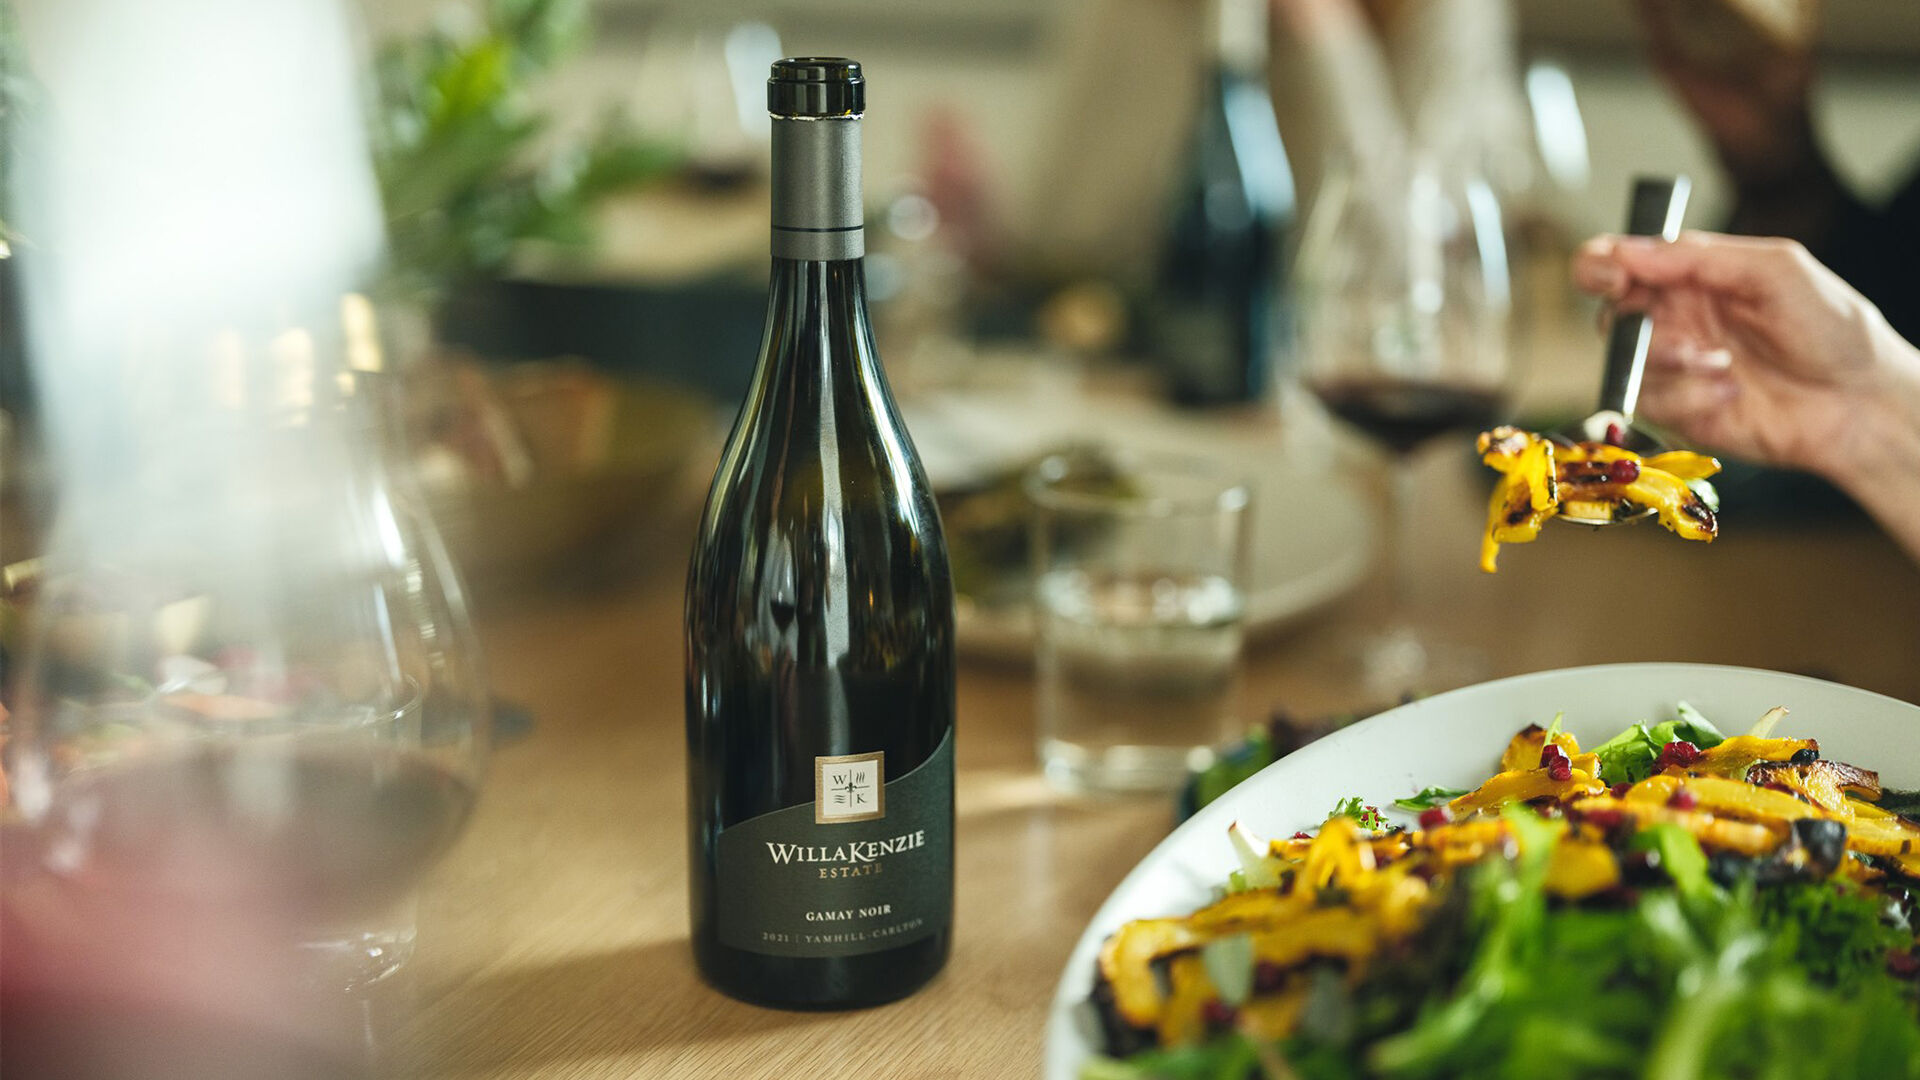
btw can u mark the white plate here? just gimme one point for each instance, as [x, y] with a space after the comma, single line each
[1454, 739]
[1313, 529]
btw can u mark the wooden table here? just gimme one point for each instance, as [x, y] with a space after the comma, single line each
[554, 939]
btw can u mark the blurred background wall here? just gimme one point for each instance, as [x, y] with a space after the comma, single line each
[1001, 65]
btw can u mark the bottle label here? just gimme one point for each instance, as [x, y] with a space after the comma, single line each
[866, 866]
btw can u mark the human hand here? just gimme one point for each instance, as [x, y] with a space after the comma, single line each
[1761, 352]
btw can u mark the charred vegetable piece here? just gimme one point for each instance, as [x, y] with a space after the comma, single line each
[1126, 965]
[1523, 752]
[1733, 757]
[1527, 494]
[1822, 783]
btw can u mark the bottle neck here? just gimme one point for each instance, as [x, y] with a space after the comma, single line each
[817, 211]
[818, 335]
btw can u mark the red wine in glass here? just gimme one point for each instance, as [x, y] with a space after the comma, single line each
[1404, 414]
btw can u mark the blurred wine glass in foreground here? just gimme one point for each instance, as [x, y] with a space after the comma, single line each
[252, 683]
[252, 713]
[1405, 298]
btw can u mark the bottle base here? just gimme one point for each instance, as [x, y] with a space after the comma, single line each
[822, 984]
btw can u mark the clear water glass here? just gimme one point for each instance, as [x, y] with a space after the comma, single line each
[1139, 606]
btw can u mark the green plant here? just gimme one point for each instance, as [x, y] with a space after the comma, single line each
[454, 148]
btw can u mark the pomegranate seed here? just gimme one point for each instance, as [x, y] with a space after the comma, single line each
[1605, 819]
[1268, 976]
[1434, 816]
[1903, 965]
[1682, 799]
[1620, 789]
[1303, 835]
[1561, 770]
[1678, 752]
[1624, 471]
[1616, 435]
[1218, 1014]
[1551, 753]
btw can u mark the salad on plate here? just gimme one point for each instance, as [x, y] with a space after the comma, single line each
[1671, 903]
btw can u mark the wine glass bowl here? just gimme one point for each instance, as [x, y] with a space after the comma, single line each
[1404, 301]
[251, 712]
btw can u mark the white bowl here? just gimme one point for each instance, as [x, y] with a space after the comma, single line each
[1454, 740]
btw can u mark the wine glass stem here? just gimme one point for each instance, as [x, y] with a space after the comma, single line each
[1403, 488]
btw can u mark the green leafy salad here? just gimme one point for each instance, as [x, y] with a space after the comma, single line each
[1671, 904]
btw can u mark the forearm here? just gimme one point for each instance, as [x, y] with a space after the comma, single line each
[1880, 467]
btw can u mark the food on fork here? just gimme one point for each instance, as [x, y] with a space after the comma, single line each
[1545, 477]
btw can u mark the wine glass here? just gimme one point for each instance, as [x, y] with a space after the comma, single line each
[1404, 309]
[252, 712]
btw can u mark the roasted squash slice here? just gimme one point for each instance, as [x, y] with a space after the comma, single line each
[1523, 751]
[1525, 785]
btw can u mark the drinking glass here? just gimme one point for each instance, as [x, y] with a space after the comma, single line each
[1139, 601]
[252, 713]
[1404, 306]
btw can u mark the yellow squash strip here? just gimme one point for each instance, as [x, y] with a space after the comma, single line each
[1580, 868]
[1743, 800]
[1323, 933]
[1524, 785]
[1183, 1021]
[1338, 853]
[1396, 897]
[1679, 509]
[1714, 833]
[1246, 910]
[1877, 835]
[1273, 1016]
[1684, 464]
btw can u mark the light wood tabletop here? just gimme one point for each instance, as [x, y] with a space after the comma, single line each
[553, 940]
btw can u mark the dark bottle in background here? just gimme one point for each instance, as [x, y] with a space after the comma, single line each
[1213, 322]
[819, 624]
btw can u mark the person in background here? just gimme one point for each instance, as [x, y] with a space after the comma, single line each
[1761, 352]
[1745, 70]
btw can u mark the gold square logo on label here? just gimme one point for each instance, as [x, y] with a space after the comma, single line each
[850, 787]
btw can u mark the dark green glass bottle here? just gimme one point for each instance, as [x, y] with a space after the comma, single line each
[1215, 321]
[820, 667]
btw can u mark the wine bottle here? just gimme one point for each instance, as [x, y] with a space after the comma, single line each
[819, 625]
[1213, 320]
